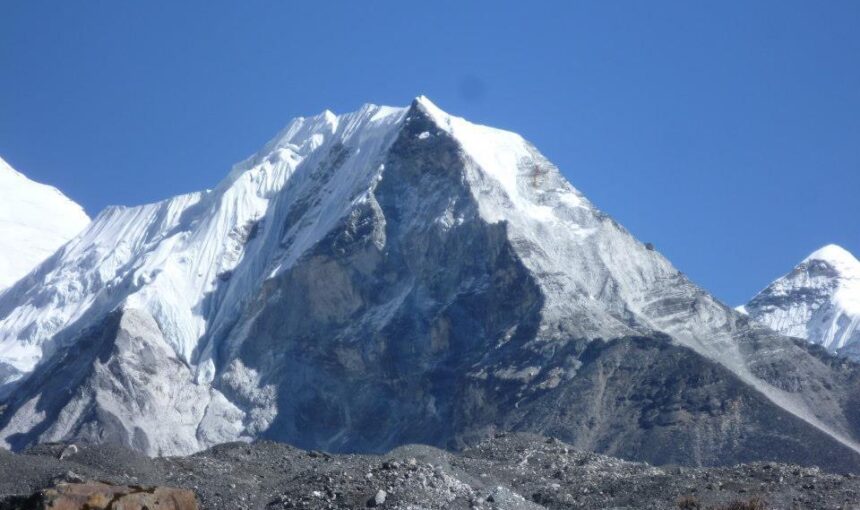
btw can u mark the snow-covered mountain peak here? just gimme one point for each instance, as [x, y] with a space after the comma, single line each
[191, 261]
[377, 272]
[847, 276]
[819, 300]
[837, 257]
[35, 220]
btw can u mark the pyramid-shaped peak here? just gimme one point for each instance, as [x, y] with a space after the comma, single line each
[425, 105]
[425, 102]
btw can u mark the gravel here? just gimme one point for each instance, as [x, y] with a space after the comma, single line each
[509, 471]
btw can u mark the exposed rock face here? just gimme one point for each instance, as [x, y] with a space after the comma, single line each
[396, 276]
[446, 296]
[819, 300]
[117, 382]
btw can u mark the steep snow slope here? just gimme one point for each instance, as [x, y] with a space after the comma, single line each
[819, 300]
[174, 264]
[35, 220]
[391, 275]
[168, 258]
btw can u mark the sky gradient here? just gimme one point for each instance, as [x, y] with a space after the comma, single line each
[726, 133]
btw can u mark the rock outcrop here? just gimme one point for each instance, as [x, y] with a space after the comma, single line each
[103, 496]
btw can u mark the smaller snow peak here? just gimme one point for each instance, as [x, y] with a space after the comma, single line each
[324, 122]
[836, 256]
[374, 113]
[384, 112]
[327, 121]
[819, 300]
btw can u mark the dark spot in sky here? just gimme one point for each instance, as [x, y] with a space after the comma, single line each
[472, 88]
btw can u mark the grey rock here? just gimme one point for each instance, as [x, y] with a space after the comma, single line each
[378, 499]
[69, 477]
[68, 451]
[511, 472]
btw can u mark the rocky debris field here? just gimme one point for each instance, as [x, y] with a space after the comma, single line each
[509, 471]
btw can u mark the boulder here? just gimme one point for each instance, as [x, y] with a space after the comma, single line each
[103, 496]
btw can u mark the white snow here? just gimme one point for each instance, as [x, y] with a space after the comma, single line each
[822, 306]
[35, 220]
[168, 258]
[847, 296]
[501, 155]
[836, 255]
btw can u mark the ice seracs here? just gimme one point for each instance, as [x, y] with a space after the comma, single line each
[819, 300]
[35, 220]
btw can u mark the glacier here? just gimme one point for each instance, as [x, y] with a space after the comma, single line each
[400, 275]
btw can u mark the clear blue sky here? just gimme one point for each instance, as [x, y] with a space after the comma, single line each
[726, 133]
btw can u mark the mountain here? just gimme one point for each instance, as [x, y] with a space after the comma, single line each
[819, 300]
[35, 220]
[393, 276]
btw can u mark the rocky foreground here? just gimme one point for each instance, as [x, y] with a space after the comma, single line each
[507, 472]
